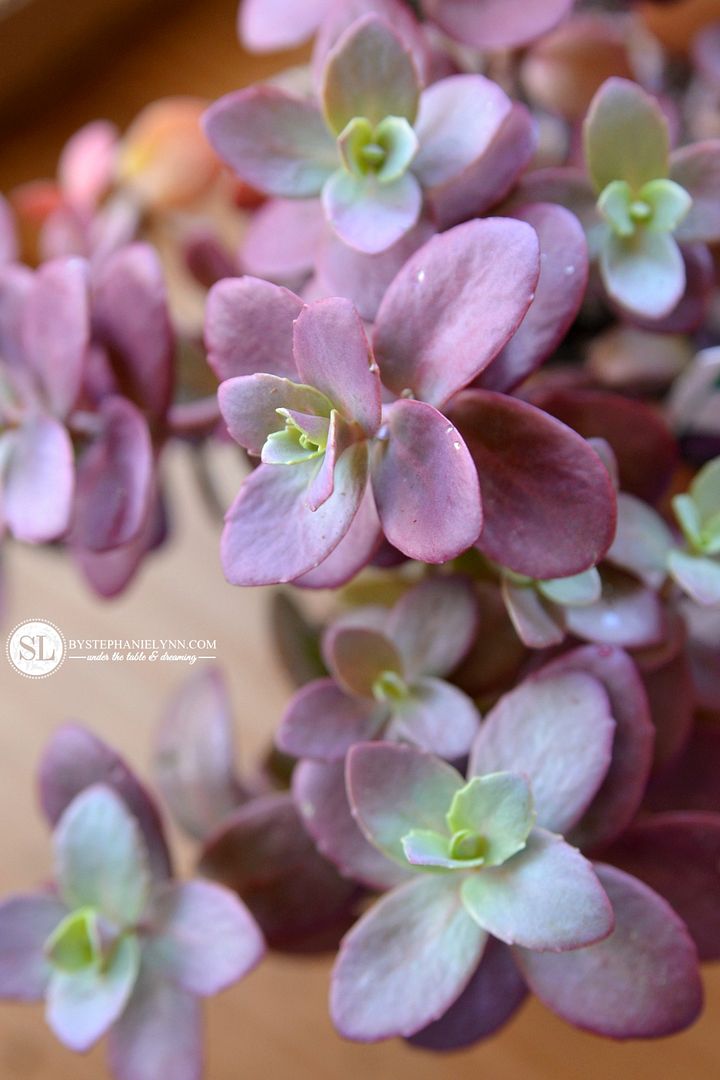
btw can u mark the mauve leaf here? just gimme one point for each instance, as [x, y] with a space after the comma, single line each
[39, 480]
[16, 283]
[405, 962]
[322, 722]
[538, 624]
[697, 169]
[671, 696]
[435, 716]
[697, 576]
[87, 161]
[249, 406]
[627, 614]
[352, 554]
[281, 239]
[642, 542]
[434, 624]
[368, 215]
[249, 327]
[641, 982]
[56, 329]
[357, 657]
[691, 781]
[26, 922]
[496, 24]
[8, 241]
[644, 273]
[273, 25]
[626, 136]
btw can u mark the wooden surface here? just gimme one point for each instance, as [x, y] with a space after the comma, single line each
[274, 1026]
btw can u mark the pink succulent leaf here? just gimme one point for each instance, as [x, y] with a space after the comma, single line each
[270, 533]
[641, 982]
[194, 755]
[434, 624]
[8, 239]
[619, 796]
[671, 696]
[697, 169]
[323, 722]
[690, 783]
[101, 859]
[457, 121]
[130, 316]
[204, 938]
[26, 922]
[462, 295]
[357, 657]
[395, 13]
[333, 355]
[275, 142]
[39, 480]
[626, 136]
[678, 855]
[495, 992]
[248, 328]
[87, 163]
[559, 294]
[697, 576]
[282, 237]
[368, 215]
[539, 625]
[548, 501]
[690, 313]
[249, 406]
[642, 542]
[405, 962]
[83, 1005]
[627, 614]
[704, 652]
[369, 72]
[16, 284]
[546, 897]
[435, 716]
[56, 330]
[425, 485]
[644, 273]
[74, 760]
[159, 1033]
[273, 25]
[352, 554]
[263, 853]
[496, 24]
[568, 187]
[395, 789]
[321, 799]
[557, 729]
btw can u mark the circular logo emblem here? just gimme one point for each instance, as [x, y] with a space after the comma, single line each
[36, 648]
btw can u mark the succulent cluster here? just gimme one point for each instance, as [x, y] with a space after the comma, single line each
[452, 291]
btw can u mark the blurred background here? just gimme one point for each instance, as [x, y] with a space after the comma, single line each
[63, 63]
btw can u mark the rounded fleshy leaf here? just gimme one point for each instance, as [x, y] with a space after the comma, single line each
[281, 238]
[644, 273]
[194, 754]
[322, 722]
[546, 898]
[353, 553]
[496, 24]
[249, 405]
[434, 624]
[462, 295]
[56, 329]
[405, 962]
[26, 922]
[558, 731]
[16, 284]
[426, 485]
[86, 164]
[75, 759]
[671, 695]
[626, 136]
[548, 502]
[369, 73]
[83, 1005]
[249, 328]
[498, 808]
[101, 861]
[690, 783]
[333, 355]
[358, 657]
[642, 542]
[204, 938]
[641, 982]
[538, 624]
[275, 142]
[273, 25]
[368, 215]
[697, 169]
[39, 481]
[272, 536]
[395, 789]
[627, 614]
[435, 716]
[697, 576]
[574, 591]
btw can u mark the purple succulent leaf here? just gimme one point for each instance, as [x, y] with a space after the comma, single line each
[697, 576]
[547, 897]
[130, 316]
[435, 716]
[434, 624]
[16, 284]
[548, 501]
[627, 614]
[282, 237]
[559, 294]
[159, 1033]
[204, 938]
[405, 962]
[495, 992]
[39, 480]
[457, 121]
[26, 922]
[644, 274]
[618, 798]
[56, 330]
[114, 479]
[368, 215]
[425, 485]
[496, 24]
[395, 789]
[539, 625]
[626, 136]
[697, 169]
[323, 722]
[272, 536]
[369, 72]
[558, 730]
[333, 355]
[249, 328]
[690, 313]
[274, 141]
[87, 163]
[352, 554]
[194, 754]
[568, 187]
[273, 25]
[321, 798]
[83, 1005]
[393, 12]
[641, 982]
[462, 295]
[357, 656]
[671, 696]
[8, 239]
[642, 542]
[249, 406]
[691, 781]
